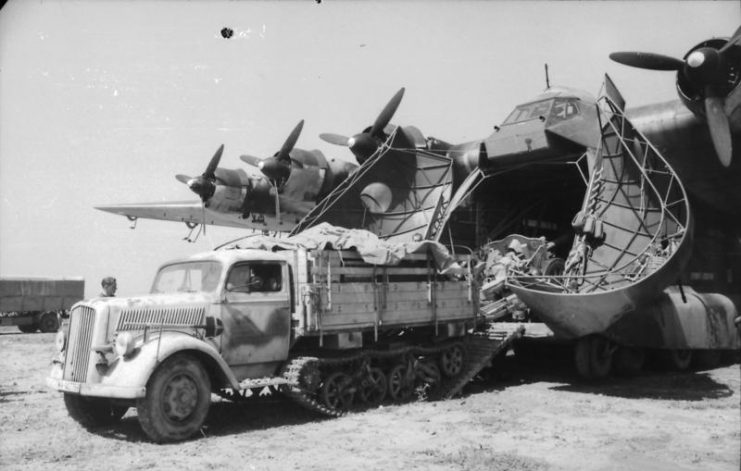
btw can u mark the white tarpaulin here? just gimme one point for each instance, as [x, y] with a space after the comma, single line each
[372, 249]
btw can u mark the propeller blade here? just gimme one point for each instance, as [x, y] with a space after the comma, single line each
[209, 173]
[735, 39]
[335, 139]
[251, 160]
[720, 130]
[182, 178]
[387, 113]
[647, 60]
[290, 142]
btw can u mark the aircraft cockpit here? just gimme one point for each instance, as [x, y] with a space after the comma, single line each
[552, 110]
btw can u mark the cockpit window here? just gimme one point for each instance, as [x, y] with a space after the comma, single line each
[563, 110]
[530, 111]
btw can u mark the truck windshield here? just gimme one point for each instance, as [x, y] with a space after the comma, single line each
[188, 277]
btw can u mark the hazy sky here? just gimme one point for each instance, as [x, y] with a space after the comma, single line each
[104, 102]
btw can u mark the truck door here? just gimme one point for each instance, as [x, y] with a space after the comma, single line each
[256, 317]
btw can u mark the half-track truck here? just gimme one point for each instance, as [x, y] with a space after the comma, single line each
[38, 303]
[324, 327]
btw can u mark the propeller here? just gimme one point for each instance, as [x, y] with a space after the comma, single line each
[364, 144]
[204, 185]
[706, 69]
[277, 168]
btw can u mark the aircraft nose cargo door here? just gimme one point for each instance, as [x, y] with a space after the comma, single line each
[632, 236]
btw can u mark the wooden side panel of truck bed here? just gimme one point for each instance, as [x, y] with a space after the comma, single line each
[351, 295]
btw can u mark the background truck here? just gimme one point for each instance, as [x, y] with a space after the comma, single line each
[37, 303]
[329, 328]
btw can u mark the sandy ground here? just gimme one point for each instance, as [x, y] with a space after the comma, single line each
[536, 417]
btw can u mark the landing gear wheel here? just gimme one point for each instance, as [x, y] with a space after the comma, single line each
[373, 387]
[49, 322]
[593, 357]
[177, 401]
[93, 412]
[337, 392]
[451, 361]
[28, 328]
[629, 360]
[677, 360]
[400, 387]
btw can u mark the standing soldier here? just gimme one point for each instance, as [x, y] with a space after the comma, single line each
[109, 287]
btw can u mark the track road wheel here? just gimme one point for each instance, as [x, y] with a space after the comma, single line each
[676, 360]
[177, 401]
[49, 322]
[338, 391]
[593, 357]
[93, 412]
[629, 361]
[373, 387]
[451, 361]
[428, 373]
[401, 386]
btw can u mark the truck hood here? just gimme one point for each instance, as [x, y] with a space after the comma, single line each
[156, 300]
[170, 311]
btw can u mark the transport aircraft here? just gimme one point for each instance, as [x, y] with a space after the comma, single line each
[292, 181]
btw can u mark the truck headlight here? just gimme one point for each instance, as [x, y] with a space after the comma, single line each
[124, 344]
[61, 340]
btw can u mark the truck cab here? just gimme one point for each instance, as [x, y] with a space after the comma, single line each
[311, 321]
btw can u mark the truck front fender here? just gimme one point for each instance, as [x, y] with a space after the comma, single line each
[135, 369]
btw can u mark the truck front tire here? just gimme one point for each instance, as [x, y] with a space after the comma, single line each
[93, 412]
[177, 401]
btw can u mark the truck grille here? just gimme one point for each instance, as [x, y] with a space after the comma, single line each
[138, 319]
[76, 362]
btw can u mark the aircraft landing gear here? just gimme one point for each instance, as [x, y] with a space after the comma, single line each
[593, 356]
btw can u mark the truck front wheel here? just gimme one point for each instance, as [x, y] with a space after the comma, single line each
[177, 400]
[93, 411]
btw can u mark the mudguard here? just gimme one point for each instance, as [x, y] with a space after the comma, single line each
[133, 372]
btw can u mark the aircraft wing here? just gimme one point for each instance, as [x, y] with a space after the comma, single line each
[189, 212]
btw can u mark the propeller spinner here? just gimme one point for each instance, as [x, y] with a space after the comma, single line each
[364, 144]
[706, 70]
[277, 168]
[204, 185]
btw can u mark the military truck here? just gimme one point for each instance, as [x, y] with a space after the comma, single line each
[327, 327]
[37, 303]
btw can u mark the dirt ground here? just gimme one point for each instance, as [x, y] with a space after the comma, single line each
[536, 417]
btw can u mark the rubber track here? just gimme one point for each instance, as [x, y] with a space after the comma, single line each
[292, 372]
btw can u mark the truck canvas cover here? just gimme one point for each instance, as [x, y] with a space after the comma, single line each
[373, 250]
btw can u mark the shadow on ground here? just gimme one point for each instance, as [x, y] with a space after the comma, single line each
[225, 418]
[557, 367]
